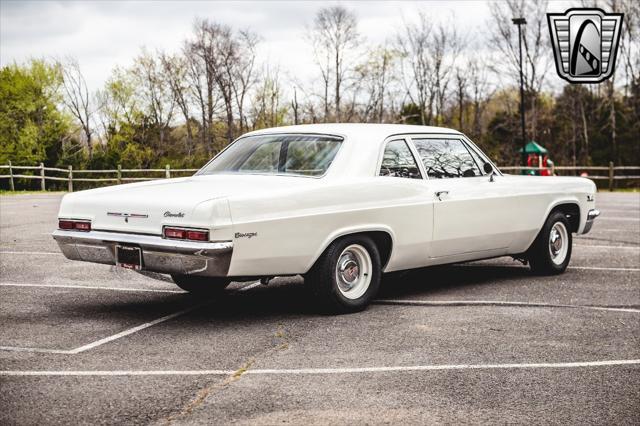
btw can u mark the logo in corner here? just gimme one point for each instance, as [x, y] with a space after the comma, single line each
[585, 43]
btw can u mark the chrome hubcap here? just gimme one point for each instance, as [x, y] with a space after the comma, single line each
[558, 239]
[353, 271]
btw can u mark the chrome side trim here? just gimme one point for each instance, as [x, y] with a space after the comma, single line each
[591, 217]
[158, 254]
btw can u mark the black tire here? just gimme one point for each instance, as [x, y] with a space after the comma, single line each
[206, 286]
[322, 279]
[540, 254]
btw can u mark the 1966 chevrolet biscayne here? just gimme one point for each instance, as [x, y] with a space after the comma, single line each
[338, 204]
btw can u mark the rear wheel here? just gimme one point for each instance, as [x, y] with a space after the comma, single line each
[550, 253]
[347, 275]
[207, 286]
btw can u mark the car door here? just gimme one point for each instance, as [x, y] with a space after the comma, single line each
[469, 215]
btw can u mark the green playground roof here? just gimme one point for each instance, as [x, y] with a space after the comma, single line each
[534, 148]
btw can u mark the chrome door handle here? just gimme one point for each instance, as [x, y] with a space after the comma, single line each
[441, 193]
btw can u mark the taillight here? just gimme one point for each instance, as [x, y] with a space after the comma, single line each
[186, 234]
[65, 224]
[82, 226]
[197, 235]
[179, 234]
[78, 225]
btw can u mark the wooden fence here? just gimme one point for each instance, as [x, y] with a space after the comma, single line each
[613, 173]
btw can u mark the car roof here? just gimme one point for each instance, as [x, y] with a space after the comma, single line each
[360, 156]
[357, 130]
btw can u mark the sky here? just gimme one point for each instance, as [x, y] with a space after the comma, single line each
[103, 34]
[106, 34]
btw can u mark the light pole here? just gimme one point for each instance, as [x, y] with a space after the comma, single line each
[519, 22]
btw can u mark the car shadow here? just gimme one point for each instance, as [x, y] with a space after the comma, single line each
[288, 297]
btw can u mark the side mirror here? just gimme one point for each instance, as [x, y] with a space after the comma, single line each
[488, 168]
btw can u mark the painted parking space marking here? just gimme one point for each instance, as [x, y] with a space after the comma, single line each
[320, 371]
[90, 287]
[586, 268]
[37, 253]
[617, 247]
[107, 339]
[410, 302]
[596, 268]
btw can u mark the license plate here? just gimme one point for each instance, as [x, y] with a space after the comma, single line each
[129, 257]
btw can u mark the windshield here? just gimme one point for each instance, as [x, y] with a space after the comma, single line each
[306, 155]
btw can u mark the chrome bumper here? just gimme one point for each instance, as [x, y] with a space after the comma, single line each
[158, 254]
[591, 217]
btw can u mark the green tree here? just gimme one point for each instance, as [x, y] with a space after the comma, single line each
[32, 128]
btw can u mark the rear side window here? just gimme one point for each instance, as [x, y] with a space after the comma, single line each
[398, 161]
[446, 158]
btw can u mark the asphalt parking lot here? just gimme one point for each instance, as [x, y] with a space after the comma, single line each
[485, 342]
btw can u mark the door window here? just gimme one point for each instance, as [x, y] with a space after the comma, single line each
[446, 158]
[398, 161]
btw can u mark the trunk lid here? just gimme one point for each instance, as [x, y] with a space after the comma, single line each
[146, 207]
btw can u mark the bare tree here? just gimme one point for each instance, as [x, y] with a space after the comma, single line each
[537, 58]
[334, 34]
[267, 108]
[175, 74]
[155, 92]
[78, 101]
[376, 75]
[214, 53]
[414, 44]
[429, 54]
[480, 92]
[242, 71]
[630, 41]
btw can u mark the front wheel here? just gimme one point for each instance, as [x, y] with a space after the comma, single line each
[550, 253]
[347, 275]
[205, 286]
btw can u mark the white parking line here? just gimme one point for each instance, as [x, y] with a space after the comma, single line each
[497, 303]
[631, 219]
[32, 252]
[108, 339]
[134, 329]
[89, 287]
[607, 247]
[313, 371]
[588, 268]
[595, 268]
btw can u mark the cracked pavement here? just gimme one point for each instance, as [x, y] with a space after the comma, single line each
[265, 356]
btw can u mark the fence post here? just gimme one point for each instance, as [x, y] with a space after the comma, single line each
[167, 172]
[610, 175]
[11, 184]
[42, 184]
[70, 178]
[119, 174]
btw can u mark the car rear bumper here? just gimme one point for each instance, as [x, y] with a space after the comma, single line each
[158, 254]
[591, 217]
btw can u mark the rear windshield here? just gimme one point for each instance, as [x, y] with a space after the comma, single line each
[303, 155]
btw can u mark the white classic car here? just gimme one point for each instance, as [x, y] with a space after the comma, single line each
[339, 204]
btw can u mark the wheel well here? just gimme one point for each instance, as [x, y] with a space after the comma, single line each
[383, 242]
[572, 212]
